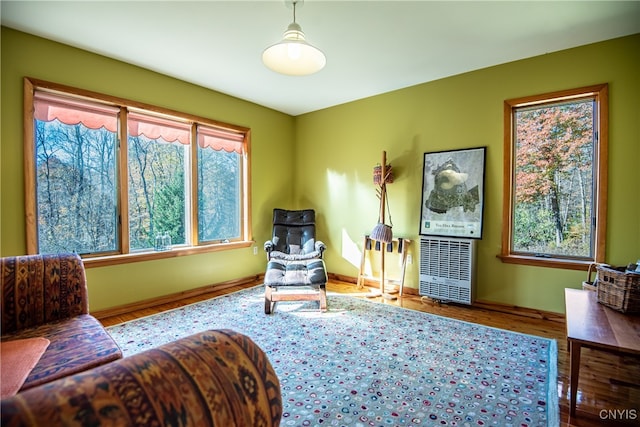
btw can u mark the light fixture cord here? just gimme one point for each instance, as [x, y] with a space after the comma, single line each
[294, 11]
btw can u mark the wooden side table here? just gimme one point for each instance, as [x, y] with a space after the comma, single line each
[593, 325]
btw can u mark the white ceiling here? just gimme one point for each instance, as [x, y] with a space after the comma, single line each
[372, 47]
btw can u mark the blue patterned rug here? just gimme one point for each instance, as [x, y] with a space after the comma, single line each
[369, 364]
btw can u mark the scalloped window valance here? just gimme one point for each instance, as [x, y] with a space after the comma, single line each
[72, 111]
[157, 127]
[219, 140]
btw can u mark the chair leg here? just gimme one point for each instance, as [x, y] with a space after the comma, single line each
[323, 298]
[268, 305]
[270, 299]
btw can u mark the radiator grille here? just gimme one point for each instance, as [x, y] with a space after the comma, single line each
[447, 268]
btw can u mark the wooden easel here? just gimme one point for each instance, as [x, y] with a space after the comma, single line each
[399, 245]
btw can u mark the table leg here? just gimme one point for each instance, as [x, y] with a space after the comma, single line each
[574, 350]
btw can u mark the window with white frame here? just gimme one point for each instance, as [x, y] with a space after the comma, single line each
[556, 178]
[109, 177]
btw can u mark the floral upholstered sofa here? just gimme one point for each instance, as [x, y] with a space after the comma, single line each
[44, 300]
[213, 378]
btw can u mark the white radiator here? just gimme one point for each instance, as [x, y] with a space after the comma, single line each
[447, 269]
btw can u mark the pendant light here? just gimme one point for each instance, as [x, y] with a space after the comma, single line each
[293, 56]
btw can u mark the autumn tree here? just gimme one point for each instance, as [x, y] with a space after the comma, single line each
[553, 167]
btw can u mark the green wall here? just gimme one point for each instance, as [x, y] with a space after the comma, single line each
[272, 143]
[461, 112]
[328, 158]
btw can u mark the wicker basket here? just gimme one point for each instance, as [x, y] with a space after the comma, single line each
[618, 290]
[589, 284]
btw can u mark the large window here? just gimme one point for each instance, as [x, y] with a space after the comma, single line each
[113, 179]
[556, 178]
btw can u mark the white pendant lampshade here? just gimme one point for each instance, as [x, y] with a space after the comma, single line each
[293, 56]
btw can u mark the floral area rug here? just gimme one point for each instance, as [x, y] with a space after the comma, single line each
[368, 364]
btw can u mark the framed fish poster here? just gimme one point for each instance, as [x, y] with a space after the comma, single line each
[453, 193]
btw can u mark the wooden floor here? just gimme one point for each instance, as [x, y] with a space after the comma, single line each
[609, 389]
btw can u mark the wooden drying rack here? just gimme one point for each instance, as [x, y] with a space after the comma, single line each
[399, 245]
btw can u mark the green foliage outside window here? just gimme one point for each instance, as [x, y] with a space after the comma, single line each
[553, 200]
[156, 191]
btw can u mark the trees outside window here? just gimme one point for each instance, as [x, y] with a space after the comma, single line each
[555, 178]
[158, 149]
[107, 178]
[215, 202]
[156, 191]
[76, 192]
[220, 183]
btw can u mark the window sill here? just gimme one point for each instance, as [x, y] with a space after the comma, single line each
[103, 261]
[567, 264]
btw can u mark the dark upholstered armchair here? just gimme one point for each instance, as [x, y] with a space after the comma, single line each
[294, 260]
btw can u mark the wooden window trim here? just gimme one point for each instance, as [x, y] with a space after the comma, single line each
[601, 93]
[116, 259]
[31, 239]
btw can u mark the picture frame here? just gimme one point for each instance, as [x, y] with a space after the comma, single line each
[453, 193]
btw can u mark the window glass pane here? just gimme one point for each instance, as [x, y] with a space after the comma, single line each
[554, 179]
[76, 187]
[219, 194]
[156, 191]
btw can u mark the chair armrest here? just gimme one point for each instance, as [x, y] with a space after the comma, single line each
[294, 257]
[268, 248]
[54, 286]
[320, 247]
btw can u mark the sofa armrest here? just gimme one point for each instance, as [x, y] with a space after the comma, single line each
[213, 378]
[38, 289]
[77, 344]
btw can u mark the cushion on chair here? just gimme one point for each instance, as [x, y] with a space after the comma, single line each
[301, 217]
[295, 273]
[309, 246]
[292, 231]
[287, 238]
